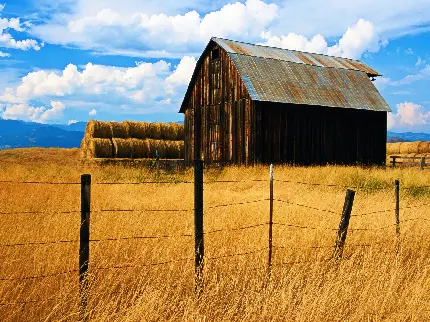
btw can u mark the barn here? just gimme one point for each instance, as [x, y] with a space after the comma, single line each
[248, 104]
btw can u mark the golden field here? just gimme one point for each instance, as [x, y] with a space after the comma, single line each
[370, 283]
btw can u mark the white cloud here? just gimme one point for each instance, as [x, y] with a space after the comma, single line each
[420, 62]
[359, 38]
[381, 82]
[110, 30]
[409, 51]
[7, 40]
[183, 72]
[70, 122]
[408, 115]
[422, 74]
[138, 28]
[143, 88]
[39, 114]
[2, 54]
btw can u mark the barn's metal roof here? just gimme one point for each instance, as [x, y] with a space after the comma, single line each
[287, 76]
[283, 81]
[236, 47]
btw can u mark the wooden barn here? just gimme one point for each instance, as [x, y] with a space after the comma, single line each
[249, 104]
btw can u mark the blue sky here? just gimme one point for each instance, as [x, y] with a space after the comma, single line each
[72, 60]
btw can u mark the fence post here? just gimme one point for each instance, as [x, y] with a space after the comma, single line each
[199, 249]
[422, 163]
[270, 221]
[84, 243]
[397, 213]
[343, 224]
[393, 161]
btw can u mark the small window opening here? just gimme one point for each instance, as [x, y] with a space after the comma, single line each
[215, 54]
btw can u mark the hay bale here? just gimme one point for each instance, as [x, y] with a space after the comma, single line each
[83, 152]
[424, 147]
[404, 148]
[98, 129]
[166, 149]
[175, 132]
[119, 130]
[413, 146]
[99, 148]
[122, 148]
[393, 148]
[138, 130]
[140, 148]
[154, 131]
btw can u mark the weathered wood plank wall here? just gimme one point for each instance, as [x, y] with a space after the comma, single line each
[222, 124]
[219, 114]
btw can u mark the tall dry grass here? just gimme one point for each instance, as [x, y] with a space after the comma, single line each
[369, 284]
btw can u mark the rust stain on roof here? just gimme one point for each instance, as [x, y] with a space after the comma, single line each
[235, 47]
[287, 82]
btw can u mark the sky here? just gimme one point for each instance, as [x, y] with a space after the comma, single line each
[63, 61]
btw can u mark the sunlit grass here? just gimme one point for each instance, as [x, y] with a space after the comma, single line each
[371, 283]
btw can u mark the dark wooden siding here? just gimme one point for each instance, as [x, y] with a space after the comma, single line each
[219, 114]
[305, 135]
[223, 124]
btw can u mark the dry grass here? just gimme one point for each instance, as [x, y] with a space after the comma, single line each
[369, 284]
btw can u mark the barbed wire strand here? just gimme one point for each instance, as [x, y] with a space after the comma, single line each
[40, 243]
[236, 204]
[304, 227]
[143, 265]
[38, 276]
[40, 182]
[39, 212]
[142, 210]
[236, 254]
[305, 206]
[235, 229]
[143, 182]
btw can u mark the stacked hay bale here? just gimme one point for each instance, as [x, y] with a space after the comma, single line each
[417, 148]
[131, 139]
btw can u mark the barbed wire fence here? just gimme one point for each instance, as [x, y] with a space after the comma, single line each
[199, 254]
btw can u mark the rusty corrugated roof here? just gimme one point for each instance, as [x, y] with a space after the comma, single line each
[235, 47]
[283, 81]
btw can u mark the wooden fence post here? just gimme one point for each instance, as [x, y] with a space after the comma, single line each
[422, 163]
[270, 221]
[84, 243]
[199, 249]
[393, 161]
[397, 213]
[343, 224]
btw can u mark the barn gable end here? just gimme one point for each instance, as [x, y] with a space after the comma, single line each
[247, 103]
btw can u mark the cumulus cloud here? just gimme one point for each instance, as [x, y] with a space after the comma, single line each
[142, 88]
[159, 33]
[359, 38]
[183, 71]
[408, 115]
[6, 39]
[39, 114]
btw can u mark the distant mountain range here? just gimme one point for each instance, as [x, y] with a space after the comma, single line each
[407, 137]
[19, 134]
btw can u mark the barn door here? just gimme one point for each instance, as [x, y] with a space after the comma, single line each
[215, 135]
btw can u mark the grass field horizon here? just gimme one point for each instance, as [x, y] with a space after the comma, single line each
[371, 283]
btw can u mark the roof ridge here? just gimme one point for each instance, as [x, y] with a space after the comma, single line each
[297, 51]
[293, 62]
